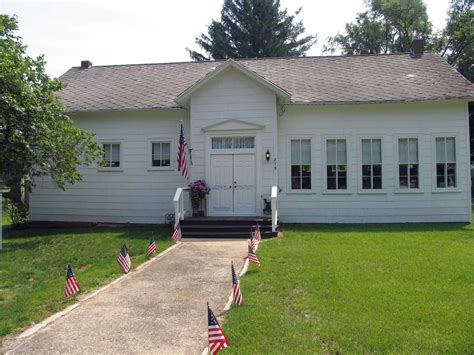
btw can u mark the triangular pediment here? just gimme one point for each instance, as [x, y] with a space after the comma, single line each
[233, 125]
[184, 97]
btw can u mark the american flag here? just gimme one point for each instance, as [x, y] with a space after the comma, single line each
[252, 242]
[257, 235]
[217, 339]
[124, 259]
[151, 247]
[236, 293]
[253, 257]
[71, 286]
[177, 234]
[182, 164]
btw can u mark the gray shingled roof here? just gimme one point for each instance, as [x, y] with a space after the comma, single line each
[318, 80]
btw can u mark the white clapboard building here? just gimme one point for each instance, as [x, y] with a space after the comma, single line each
[335, 139]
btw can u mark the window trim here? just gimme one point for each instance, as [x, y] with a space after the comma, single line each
[434, 186]
[396, 161]
[120, 142]
[288, 165]
[149, 157]
[349, 158]
[383, 190]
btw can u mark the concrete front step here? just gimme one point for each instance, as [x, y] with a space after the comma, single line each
[225, 227]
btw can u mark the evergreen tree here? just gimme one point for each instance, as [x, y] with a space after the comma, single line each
[251, 29]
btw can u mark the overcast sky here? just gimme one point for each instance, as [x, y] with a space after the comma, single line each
[140, 31]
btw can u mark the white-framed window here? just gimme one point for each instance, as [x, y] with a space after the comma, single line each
[336, 164]
[112, 154]
[161, 154]
[446, 162]
[300, 151]
[408, 164]
[371, 163]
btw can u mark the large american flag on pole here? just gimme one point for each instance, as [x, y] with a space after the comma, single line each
[124, 259]
[217, 339]
[71, 286]
[236, 293]
[182, 164]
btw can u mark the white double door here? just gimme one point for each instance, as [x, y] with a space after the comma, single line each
[232, 182]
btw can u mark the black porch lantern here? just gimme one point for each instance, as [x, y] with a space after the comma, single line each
[268, 155]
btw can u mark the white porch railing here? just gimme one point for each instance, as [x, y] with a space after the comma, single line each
[178, 202]
[274, 208]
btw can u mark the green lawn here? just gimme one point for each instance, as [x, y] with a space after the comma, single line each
[359, 289]
[33, 266]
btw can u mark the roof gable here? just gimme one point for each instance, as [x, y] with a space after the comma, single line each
[183, 98]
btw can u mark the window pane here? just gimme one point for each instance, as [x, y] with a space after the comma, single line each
[295, 152]
[156, 150]
[413, 182]
[376, 151]
[403, 151]
[440, 181]
[296, 183]
[341, 151]
[342, 183]
[331, 151]
[115, 152]
[106, 152]
[414, 170]
[377, 170]
[306, 183]
[366, 170]
[165, 151]
[366, 182]
[413, 150]
[331, 183]
[366, 151]
[403, 182]
[403, 170]
[440, 169]
[440, 154]
[377, 182]
[450, 149]
[305, 151]
[331, 170]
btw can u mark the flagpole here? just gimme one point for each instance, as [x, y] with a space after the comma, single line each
[208, 340]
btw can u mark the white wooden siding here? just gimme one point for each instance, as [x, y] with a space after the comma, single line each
[136, 193]
[229, 96]
[389, 122]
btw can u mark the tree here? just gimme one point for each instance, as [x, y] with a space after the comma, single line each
[389, 26]
[38, 137]
[456, 41]
[251, 29]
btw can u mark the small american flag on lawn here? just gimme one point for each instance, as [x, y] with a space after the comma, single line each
[252, 242]
[257, 235]
[151, 247]
[124, 259]
[217, 339]
[177, 234]
[71, 286]
[236, 293]
[182, 164]
[253, 257]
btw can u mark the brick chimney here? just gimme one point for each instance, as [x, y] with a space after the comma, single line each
[86, 64]
[417, 48]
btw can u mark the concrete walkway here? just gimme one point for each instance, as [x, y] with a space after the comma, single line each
[158, 309]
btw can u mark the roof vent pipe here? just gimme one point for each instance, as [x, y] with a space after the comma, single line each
[86, 64]
[417, 48]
